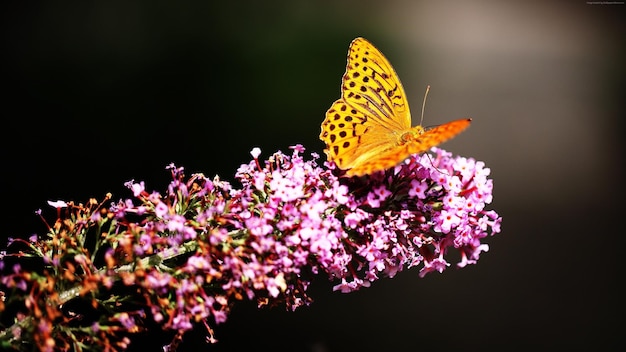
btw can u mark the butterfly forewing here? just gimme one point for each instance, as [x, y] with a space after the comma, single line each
[389, 157]
[372, 86]
[437, 135]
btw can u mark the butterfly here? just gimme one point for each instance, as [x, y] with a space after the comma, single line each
[369, 128]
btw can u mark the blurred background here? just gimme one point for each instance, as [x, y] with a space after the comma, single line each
[99, 93]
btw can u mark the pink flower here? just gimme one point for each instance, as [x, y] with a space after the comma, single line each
[255, 152]
[57, 204]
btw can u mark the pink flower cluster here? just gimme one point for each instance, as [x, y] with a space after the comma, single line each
[193, 251]
[357, 230]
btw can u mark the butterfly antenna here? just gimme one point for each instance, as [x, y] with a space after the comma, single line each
[422, 124]
[424, 105]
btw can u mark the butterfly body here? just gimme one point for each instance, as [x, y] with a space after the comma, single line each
[369, 128]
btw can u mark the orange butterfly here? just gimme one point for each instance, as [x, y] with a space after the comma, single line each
[369, 128]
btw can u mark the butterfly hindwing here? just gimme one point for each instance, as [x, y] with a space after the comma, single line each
[349, 136]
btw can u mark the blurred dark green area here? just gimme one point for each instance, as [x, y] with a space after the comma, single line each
[98, 93]
[117, 91]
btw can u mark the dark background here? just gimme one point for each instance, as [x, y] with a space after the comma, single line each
[98, 93]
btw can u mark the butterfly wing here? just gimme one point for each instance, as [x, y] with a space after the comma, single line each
[436, 135]
[372, 112]
[372, 87]
[422, 142]
[350, 139]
